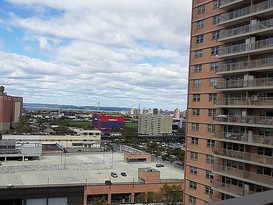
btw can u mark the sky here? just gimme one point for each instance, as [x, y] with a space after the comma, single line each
[121, 53]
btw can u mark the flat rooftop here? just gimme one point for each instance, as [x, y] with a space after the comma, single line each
[75, 168]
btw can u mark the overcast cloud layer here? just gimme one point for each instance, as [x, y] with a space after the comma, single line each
[80, 52]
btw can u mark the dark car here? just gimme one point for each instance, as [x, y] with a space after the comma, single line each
[108, 182]
[159, 165]
[123, 174]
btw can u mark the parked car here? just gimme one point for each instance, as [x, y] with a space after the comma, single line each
[114, 174]
[108, 182]
[159, 165]
[123, 174]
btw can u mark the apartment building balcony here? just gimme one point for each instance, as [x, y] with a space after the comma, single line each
[231, 189]
[254, 47]
[245, 156]
[243, 14]
[259, 65]
[248, 121]
[251, 102]
[244, 138]
[229, 4]
[239, 33]
[249, 83]
[244, 175]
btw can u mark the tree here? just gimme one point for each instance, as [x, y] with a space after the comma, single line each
[171, 194]
[22, 126]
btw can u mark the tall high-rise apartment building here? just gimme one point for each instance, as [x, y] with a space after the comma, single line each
[150, 124]
[229, 143]
[10, 110]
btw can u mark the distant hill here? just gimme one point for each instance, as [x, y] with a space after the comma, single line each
[34, 106]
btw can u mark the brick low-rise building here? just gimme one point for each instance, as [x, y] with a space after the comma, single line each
[10, 110]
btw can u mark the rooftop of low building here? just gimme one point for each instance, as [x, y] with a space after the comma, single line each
[74, 168]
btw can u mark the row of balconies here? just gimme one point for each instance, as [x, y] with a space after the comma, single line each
[249, 120]
[244, 174]
[254, 27]
[243, 48]
[244, 137]
[235, 190]
[253, 101]
[256, 9]
[252, 83]
[244, 66]
[244, 156]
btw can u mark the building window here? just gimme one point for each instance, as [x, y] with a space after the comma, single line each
[211, 112]
[194, 141]
[199, 53]
[195, 111]
[196, 97]
[265, 151]
[194, 155]
[200, 24]
[211, 128]
[212, 97]
[264, 170]
[209, 175]
[195, 126]
[208, 190]
[216, 19]
[214, 66]
[192, 200]
[209, 159]
[193, 185]
[200, 38]
[210, 143]
[216, 4]
[212, 82]
[201, 9]
[214, 50]
[198, 68]
[215, 35]
[197, 83]
[193, 170]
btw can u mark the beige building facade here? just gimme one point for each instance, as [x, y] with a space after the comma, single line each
[150, 124]
[229, 142]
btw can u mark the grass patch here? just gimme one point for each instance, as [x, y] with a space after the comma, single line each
[81, 124]
[131, 124]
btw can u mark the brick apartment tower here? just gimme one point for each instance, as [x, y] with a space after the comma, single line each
[229, 149]
[10, 110]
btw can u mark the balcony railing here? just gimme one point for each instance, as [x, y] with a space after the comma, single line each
[245, 137]
[245, 83]
[243, 174]
[246, 65]
[252, 101]
[231, 188]
[244, 155]
[249, 119]
[243, 47]
[246, 11]
[257, 26]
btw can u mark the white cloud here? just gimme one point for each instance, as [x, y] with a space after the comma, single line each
[118, 52]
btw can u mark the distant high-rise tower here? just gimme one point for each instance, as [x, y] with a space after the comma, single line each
[10, 110]
[229, 142]
[176, 113]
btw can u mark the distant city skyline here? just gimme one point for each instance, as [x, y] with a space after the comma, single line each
[83, 52]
